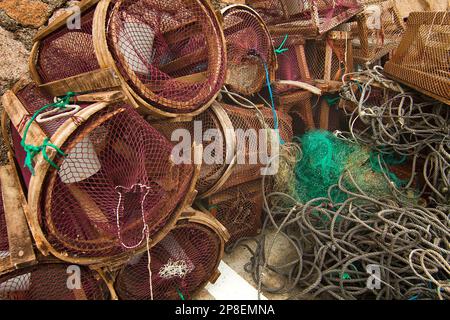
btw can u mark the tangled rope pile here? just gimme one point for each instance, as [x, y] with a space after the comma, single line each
[336, 248]
[361, 245]
[399, 121]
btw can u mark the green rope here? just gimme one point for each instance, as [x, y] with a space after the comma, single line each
[180, 294]
[280, 49]
[332, 101]
[32, 150]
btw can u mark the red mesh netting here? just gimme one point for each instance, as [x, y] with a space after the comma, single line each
[211, 169]
[52, 282]
[250, 145]
[171, 53]
[239, 209]
[68, 52]
[181, 263]
[422, 59]
[118, 172]
[378, 31]
[249, 47]
[4, 244]
[309, 16]
[291, 63]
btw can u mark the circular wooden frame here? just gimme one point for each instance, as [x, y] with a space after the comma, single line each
[205, 220]
[111, 77]
[272, 58]
[43, 168]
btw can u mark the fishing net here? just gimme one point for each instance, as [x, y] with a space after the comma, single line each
[253, 148]
[171, 56]
[422, 59]
[319, 68]
[292, 63]
[181, 264]
[236, 133]
[116, 184]
[309, 17]
[378, 31]
[239, 209]
[249, 49]
[326, 158]
[212, 168]
[53, 282]
[384, 116]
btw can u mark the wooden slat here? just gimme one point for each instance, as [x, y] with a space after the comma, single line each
[174, 36]
[328, 59]
[324, 115]
[17, 113]
[20, 243]
[110, 96]
[302, 63]
[100, 79]
[185, 61]
[189, 79]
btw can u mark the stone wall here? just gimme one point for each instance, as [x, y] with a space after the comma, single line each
[20, 20]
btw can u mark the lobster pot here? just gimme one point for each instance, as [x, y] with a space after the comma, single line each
[210, 130]
[234, 143]
[116, 183]
[308, 17]
[239, 209]
[422, 60]
[377, 32]
[292, 64]
[253, 145]
[169, 57]
[329, 59]
[53, 281]
[181, 264]
[249, 49]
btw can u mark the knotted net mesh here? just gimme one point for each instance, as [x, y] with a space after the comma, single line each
[378, 30]
[253, 147]
[180, 265]
[239, 209]
[171, 53]
[249, 50]
[212, 137]
[52, 282]
[308, 16]
[422, 59]
[68, 52]
[118, 178]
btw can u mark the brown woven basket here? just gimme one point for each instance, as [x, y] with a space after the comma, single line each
[25, 275]
[238, 208]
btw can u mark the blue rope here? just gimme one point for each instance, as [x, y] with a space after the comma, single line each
[274, 112]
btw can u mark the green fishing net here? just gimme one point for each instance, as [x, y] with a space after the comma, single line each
[326, 157]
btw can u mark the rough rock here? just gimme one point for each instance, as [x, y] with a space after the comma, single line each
[14, 60]
[28, 13]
